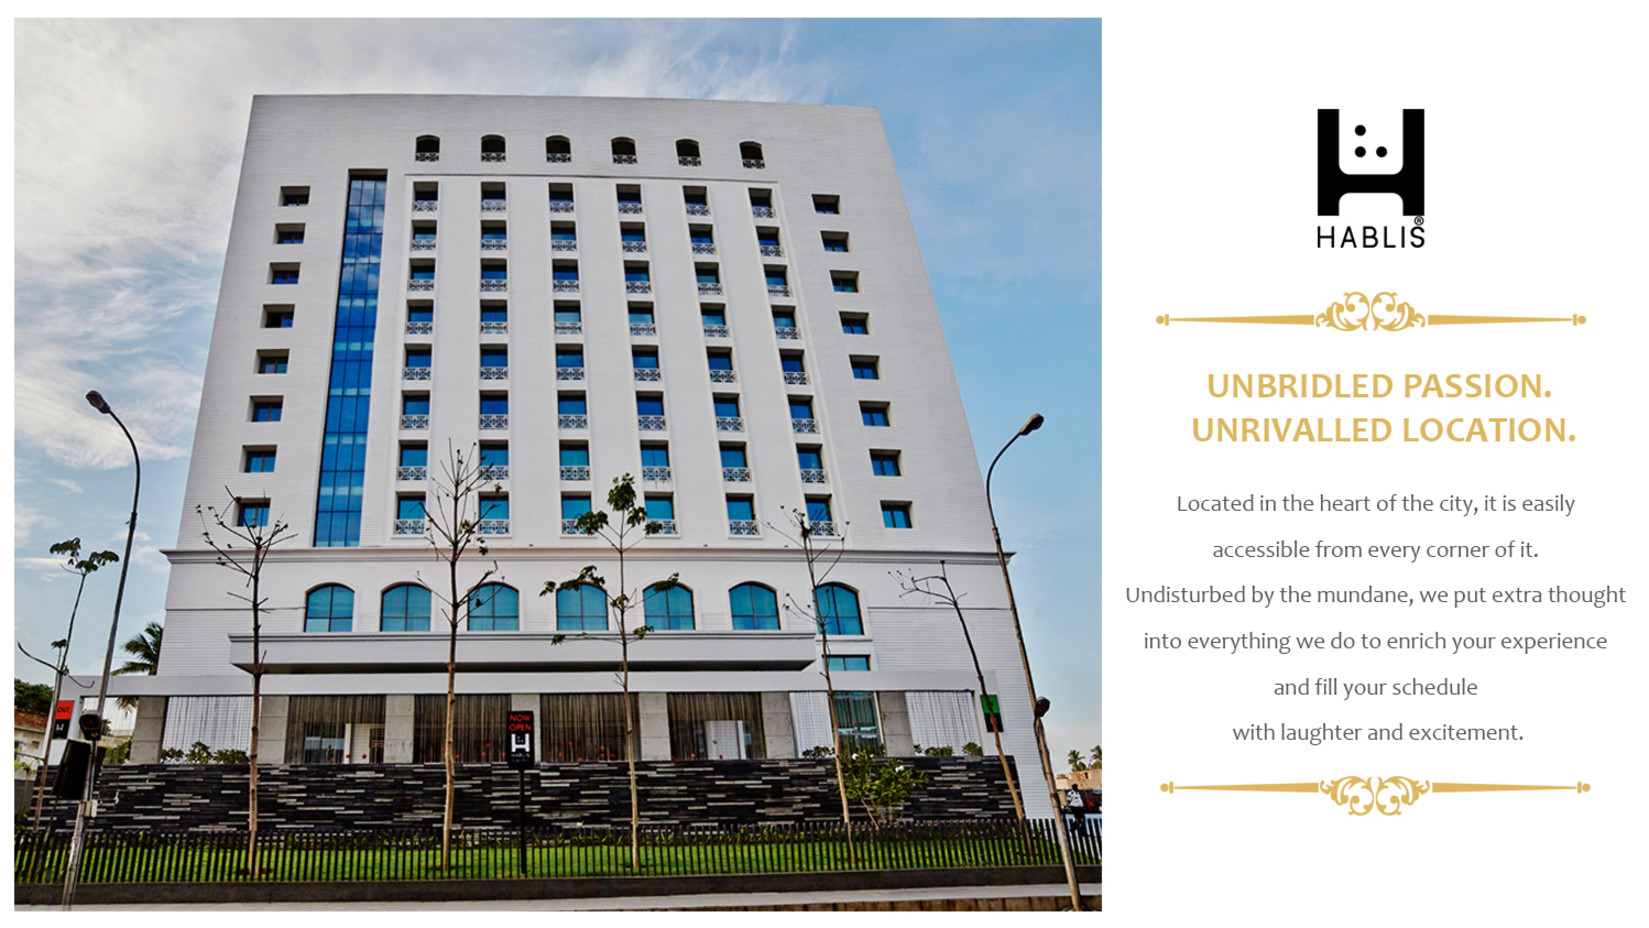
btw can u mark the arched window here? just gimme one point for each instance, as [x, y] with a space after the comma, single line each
[494, 607]
[330, 608]
[751, 152]
[687, 153]
[839, 610]
[492, 148]
[754, 607]
[405, 608]
[581, 608]
[558, 149]
[427, 148]
[670, 609]
[624, 151]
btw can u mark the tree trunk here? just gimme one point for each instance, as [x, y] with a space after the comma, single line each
[46, 752]
[446, 749]
[630, 753]
[252, 755]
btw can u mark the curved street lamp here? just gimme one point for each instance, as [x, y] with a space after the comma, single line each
[1040, 705]
[77, 846]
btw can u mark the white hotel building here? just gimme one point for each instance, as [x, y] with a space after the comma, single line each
[725, 300]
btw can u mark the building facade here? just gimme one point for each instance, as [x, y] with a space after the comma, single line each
[724, 300]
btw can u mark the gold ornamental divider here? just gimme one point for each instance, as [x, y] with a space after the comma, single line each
[1362, 795]
[1359, 313]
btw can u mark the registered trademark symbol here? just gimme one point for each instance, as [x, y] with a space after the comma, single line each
[1419, 220]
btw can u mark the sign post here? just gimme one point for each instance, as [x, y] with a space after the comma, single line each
[62, 718]
[993, 712]
[521, 757]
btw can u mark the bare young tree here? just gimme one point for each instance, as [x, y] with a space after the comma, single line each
[84, 567]
[452, 528]
[937, 587]
[626, 527]
[256, 536]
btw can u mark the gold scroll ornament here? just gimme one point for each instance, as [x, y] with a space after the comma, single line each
[1383, 313]
[1362, 795]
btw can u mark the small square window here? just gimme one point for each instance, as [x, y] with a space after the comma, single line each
[827, 205]
[874, 413]
[896, 515]
[272, 362]
[289, 233]
[865, 369]
[834, 241]
[884, 463]
[259, 460]
[855, 324]
[294, 196]
[253, 513]
[410, 508]
[849, 662]
[283, 273]
[844, 281]
[266, 410]
[277, 317]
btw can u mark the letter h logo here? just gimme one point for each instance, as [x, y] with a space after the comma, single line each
[1409, 182]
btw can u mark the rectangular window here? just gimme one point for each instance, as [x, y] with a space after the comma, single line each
[733, 456]
[884, 463]
[649, 406]
[253, 513]
[271, 362]
[874, 413]
[896, 515]
[784, 319]
[741, 509]
[574, 506]
[849, 662]
[260, 460]
[294, 196]
[720, 360]
[418, 359]
[791, 364]
[714, 317]
[568, 314]
[660, 509]
[415, 405]
[575, 456]
[571, 404]
[810, 459]
[727, 407]
[844, 283]
[641, 315]
[495, 508]
[569, 358]
[826, 205]
[414, 456]
[818, 510]
[279, 274]
[834, 241]
[855, 324]
[421, 313]
[289, 234]
[494, 456]
[495, 312]
[563, 232]
[495, 404]
[409, 508]
[266, 410]
[644, 359]
[277, 317]
[864, 368]
[655, 455]
[495, 357]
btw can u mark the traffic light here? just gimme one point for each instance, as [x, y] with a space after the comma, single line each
[91, 726]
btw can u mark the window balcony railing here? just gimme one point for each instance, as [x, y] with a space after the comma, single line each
[805, 426]
[772, 251]
[714, 330]
[736, 474]
[415, 422]
[709, 289]
[729, 424]
[569, 328]
[427, 156]
[698, 209]
[492, 156]
[822, 528]
[624, 159]
[420, 328]
[495, 420]
[424, 206]
[643, 328]
[813, 475]
[638, 286]
[494, 206]
[559, 157]
[410, 473]
[655, 474]
[563, 244]
[650, 423]
[572, 422]
[689, 161]
[561, 206]
[762, 212]
[417, 373]
[756, 163]
[570, 527]
[743, 527]
[721, 376]
[495, 373]
[569, 373]
[778, 289]
[493, 526]
[647, 373]
[575, 472]
[795, 377]
[665, 526]
[495, 328]
[565, 286]
[787, 331]
[409, 526]
[629, 209]
[426, 283]
[495, 472]
[494, 284]
[635, 248]
[704, 248]
[422, 244]
[494, 244]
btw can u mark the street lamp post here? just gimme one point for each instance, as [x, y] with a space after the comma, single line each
[77, 845]
[1031, 425]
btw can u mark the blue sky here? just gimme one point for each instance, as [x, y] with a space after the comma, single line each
[128, 141]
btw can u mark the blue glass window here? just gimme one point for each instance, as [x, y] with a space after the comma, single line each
[289, 237]
[295, 197]
[496, 234]
[884, 463]
[660, 510]
[709, 275]
[563, 234]
[494, 272]
[809, 459]
[784, 319]
[655, 456]
[644, 359]
[700, 236]
[418, 357]
[640, 315]
[491, 312]
[420, 314]
[720, 362]
[409, 507]
[495, 357]
[423, 233]
[801, 409]
[564, 272]
[569, 359]
[569, 315]
[629, 196]
[495, 404]
[864, 369]
[575, 456]
[571, 406]
[855, 325]
[767, 236]
[277, 319]
[283, 275]
[727, 408]
[405, 608]
[761, 199]
[873, 415]
[741, 509]
[818, 510]
[776, 277]
[848, 662]
[495, 455]
[670, 609]
[582, 608]
[649, 407]
[414, 405]
[253, 513]
[827, 205]
[260, 462]
[713, 317]
[895, 515]
[839, 610]
[423, 272]
[266, 411]
[792, 364]
[755, 607]
[694, 199]
[414, 455]
[845, 284]
[574, 506]
[733, 457]
[494, 607]
[330, 608]
[633, 235]
[561, 198]
[834, 242]
[494, 508]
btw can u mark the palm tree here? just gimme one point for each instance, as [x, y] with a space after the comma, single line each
[145, 650]
[1075, 760]
[1095, 756]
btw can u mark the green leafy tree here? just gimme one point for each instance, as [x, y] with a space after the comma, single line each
[1094, 757]
[973, 749]
[881, 786]
[1075, 760]
[622, 530]
[145, 650]
[33, 697]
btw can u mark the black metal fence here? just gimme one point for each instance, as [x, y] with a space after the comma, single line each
[148, 856]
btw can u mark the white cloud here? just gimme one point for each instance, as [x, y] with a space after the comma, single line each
[66, 484]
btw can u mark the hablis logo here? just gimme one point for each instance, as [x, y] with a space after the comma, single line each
[1371, 160]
